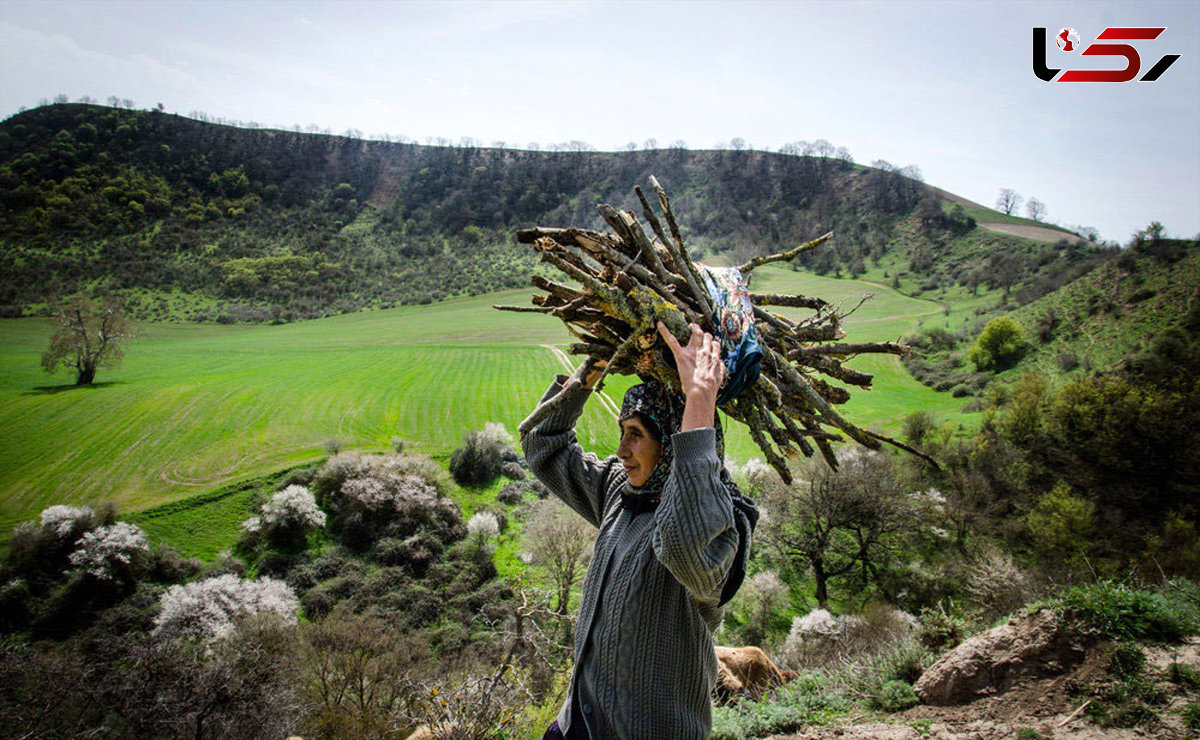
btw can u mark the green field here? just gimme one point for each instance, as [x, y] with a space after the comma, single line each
[198, 407]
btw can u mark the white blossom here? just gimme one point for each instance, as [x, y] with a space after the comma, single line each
[105, 551]
[817, 623]
[389, 493]
[495, 431]
[209, 609]
[756, 470]
[64, 520]
[253, 525]
[932, 496]
[294, 506]
[483, 526]
[767, 582]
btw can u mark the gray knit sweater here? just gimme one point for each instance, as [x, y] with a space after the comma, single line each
[644, 660]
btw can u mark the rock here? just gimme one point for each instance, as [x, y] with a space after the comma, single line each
[1035, 645]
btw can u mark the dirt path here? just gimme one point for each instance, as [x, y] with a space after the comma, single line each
[565, 361]
[1038, 233]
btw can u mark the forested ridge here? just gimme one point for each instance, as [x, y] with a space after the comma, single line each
[199, 221]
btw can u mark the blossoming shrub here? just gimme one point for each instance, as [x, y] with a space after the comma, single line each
[68, 522]
[821, 639]
[210, 609]
[293, 507]
[483, 453]
[483, 527]
[371, 497]
[111, 553]
[40, 550]
[285, 520]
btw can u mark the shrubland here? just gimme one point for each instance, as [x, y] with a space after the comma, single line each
[365, 566]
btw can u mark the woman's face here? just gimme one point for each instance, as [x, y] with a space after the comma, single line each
[639, 450]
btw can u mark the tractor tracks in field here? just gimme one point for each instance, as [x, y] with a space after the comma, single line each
[566, 363]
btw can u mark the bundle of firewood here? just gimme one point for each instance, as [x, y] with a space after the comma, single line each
[626, 282]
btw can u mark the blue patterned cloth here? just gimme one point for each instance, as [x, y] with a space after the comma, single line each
[733, 316]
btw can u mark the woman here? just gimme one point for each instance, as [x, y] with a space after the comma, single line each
[644, 660]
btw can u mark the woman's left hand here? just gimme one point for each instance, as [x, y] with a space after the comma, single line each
[701, 370]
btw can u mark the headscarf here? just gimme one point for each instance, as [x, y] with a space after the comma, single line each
[654, 401]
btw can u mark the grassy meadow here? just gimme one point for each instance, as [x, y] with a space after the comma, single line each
[200, 414]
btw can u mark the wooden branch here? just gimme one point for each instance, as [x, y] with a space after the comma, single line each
[593, 349]
[891, 348]
[832, 368]
[525, 309]
[755, 424]
[790, 301]
[795, 431]
[547, 407]
[774, 320]
[651, 218]
[793, 379]
[906, 448]
[646, 248]
[564, 292]
[680, 255]
[750, 264]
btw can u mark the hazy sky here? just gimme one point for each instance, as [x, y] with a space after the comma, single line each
[947, 86]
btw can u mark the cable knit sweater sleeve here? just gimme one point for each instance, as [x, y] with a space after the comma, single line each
[694, 536]
[579, 478]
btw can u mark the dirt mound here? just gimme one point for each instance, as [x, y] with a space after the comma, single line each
[1052, 708]
[1032, 646]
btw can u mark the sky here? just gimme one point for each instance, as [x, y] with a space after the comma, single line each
[946, 86]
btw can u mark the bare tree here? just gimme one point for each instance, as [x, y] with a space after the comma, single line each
[1008, 201]
[352, 675]
[1035, 208]
[560, 541]
[838, 524]
[89, 337]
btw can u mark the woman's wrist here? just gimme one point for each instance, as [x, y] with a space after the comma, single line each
[699, 410]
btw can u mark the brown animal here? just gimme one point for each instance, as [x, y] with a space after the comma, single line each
[746, 671]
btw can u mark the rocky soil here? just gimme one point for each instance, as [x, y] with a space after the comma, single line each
[1030, 674]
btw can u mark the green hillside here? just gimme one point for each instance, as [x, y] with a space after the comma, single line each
[192, 221]
[1110, 314]
[196, 407]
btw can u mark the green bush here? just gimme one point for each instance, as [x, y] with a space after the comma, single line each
[998, 346]
[893, 696]
[1116, 610]
[941, 628]
[478, 461]
[805, 702]
[1127, 660]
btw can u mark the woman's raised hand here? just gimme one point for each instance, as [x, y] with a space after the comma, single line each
[701, 370]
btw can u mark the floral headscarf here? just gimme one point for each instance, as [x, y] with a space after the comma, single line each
[665, 409]
[655, 402]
